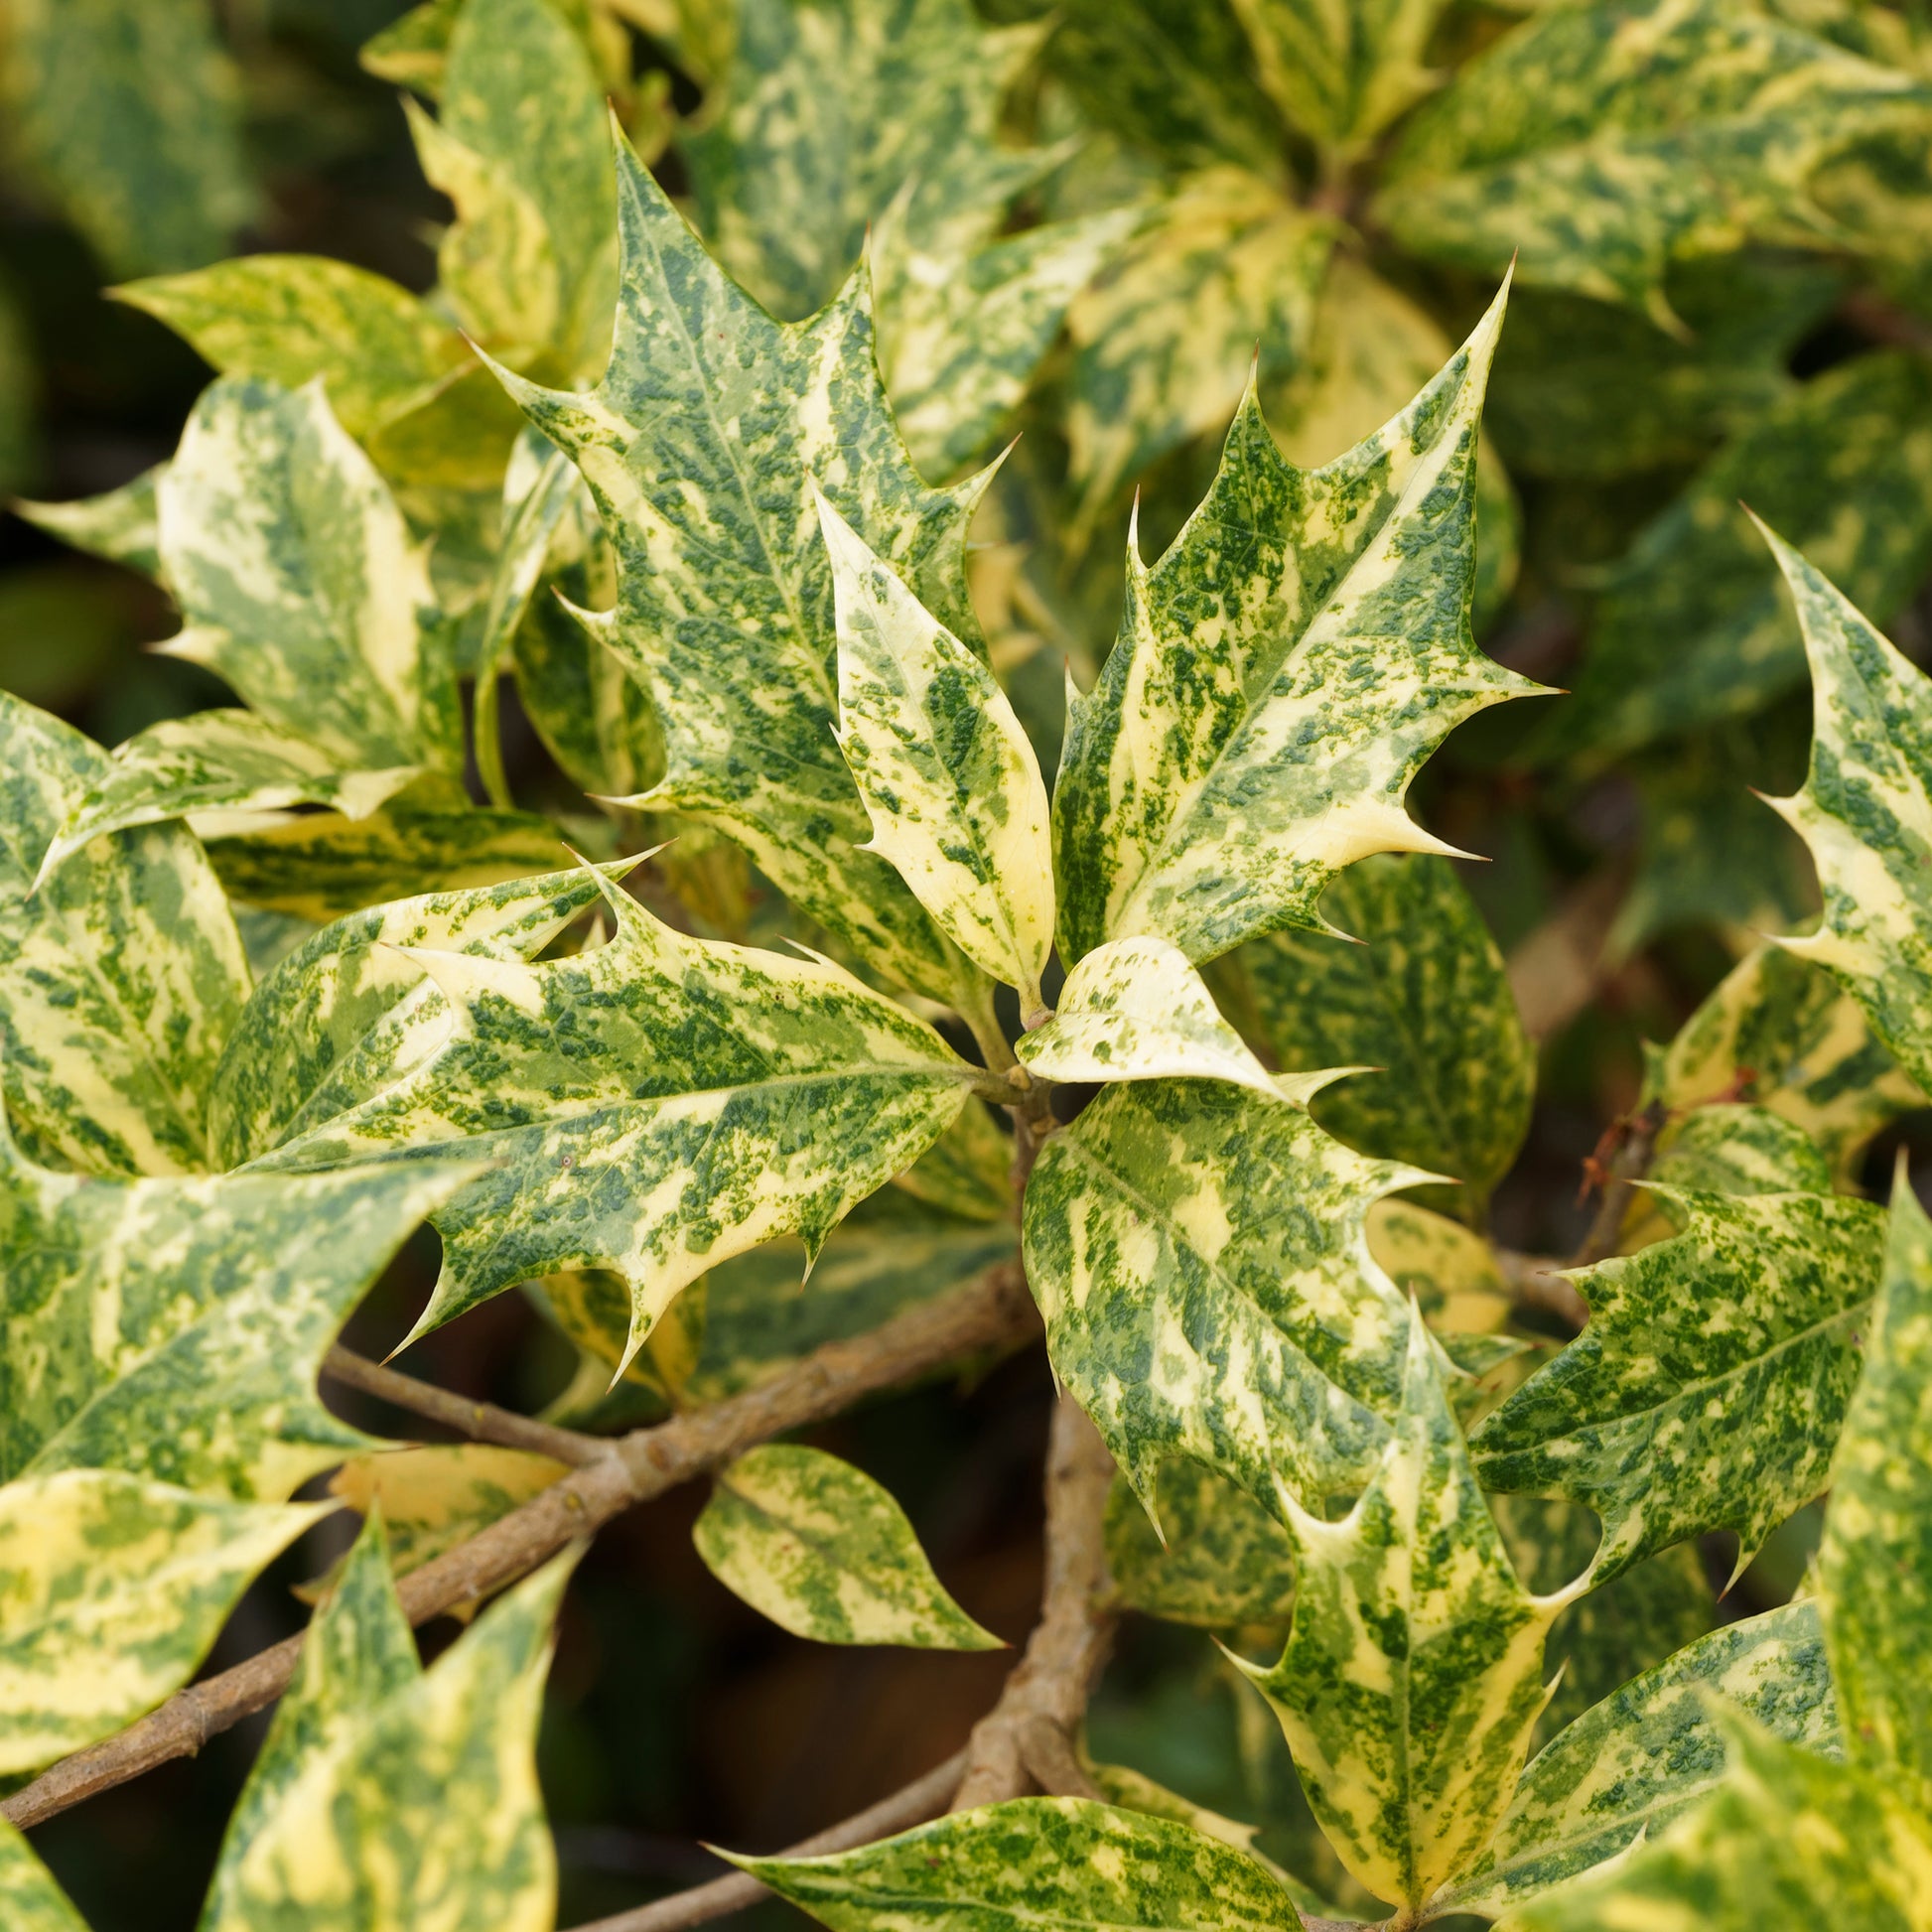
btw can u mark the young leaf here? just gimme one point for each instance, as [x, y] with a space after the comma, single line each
[946, 773]
[1341, 75]
[986, 1871]
[653, 1105]
[1200, 1258]
[1210, 786]
[299, 580]
[701, 446]
[1225, 1561]
[1600, 142]
[118, 525]
[29, 1901]
[1423, 999]
[1863, 812]
[1413, 1672]
[119, 980]
[425, 1810]
[1874, 1570]
[825, 1552]
[1709, 1389]
[1136, 1010]
[1646, 1755]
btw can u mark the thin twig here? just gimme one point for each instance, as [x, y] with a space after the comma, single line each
[990, 1311]
[1620, 1166]
[1535, 1283]
[1030, 1737]
[914, 1804]
[481, 1422]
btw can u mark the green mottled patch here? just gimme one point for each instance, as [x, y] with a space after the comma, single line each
[1423, 999]
[118, 525]
[29, 1899]
[119, 980]
[1218, 778]
[1449, 1272]
[1708, 1390]
[1225, 1564]
[988, 1870]
[1413, 1672]
[967, 1171]
[825, 1552]
[1342, 72]
[1200, 1259]
[1643, 1756]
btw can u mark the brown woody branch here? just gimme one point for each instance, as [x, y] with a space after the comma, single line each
[991, 1312]
[1618, 1165]
[1031, 1737]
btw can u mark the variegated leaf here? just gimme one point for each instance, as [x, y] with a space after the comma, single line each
[653, 1105]
[29, 1901]
[421, 1810]
[702, 446]
[986, 1871]
[1225, 1563]
[1781, 1033]
[112, 1588]
[288, 319]
[215, 762]
[967, 1170]
[1136, 1010]
[1222, 280]
[298, 582]
[1449, 1272]
[520, 146]
[1413, 1672]
[1866, 812]
[119, 980]
[119, 525]
[1708, 1390]
[1342, 73]
[825, 1552]
[1874, 1570]
[1600, 142]
[1423, 999]
[1629, 1765]
[946, 773]
[1211, 786]
[1788, 1838]
[1200, 1259]
[348, 1012]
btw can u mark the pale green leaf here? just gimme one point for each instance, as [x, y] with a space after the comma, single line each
[1199, 1257]
[424, 1811]
[1136, 1010]
[1342, 73]
[119, 981]
[1212, 786]
[1644, 1755]
[1423, 999]
[1413, 1672]
[947, 775]
[298, 582]
[1598, 142]
[1728, 1148]
[29, 1901]
[702, 446]
[967, 1170]
[653, 1105]
[288, 319]
[1451, 1272]
[129, 112]
[825, 1552]
[413, 51]
[988, 1870]
[1866, 812]
[1708, 1391]
[119, 525]
[1225, 1561]
[112, 1588]
[1874, 1570]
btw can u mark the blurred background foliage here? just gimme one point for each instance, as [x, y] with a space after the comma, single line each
[1628, 866]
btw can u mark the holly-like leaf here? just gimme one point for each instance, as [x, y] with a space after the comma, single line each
[967, 1171]
[945, 771]
[1875, 1569]
[1343, 74]
[1710, 1387]
[1600, 142]
[1199, 1257]
[422, 1808]
[653, 1105]
[288, 319]
[701, 447]
[1650, 1751]
[1225, 1561]
[1423, 999]
[1136, 1010]
[986, 1871]
[119, 525]
[1864, 811]
[299, 580]
[1449, 1271]
[1413, 1672]
[119, 980]
[29, 1899]
[1211, 786]
[825, 1552]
